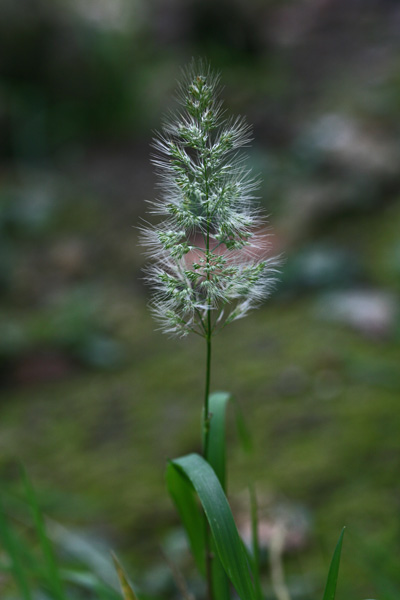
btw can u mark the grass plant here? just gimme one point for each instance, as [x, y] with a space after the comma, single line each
[30, 558]
[210, 266]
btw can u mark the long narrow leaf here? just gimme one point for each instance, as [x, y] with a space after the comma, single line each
[183, 495]
[83, 552]
[53, 574]
[126, 588]
[227, 541]
[10, 545]
[330, 589]
[216, 452]
[216, 457]
[219, 578]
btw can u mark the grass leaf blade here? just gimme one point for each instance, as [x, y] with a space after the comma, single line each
[126, 588]
[53, 574]
[216, 457]
[182, 493]
[216, 451]
[9, 543]
[219, 579]
[330, 589]
[227, 541]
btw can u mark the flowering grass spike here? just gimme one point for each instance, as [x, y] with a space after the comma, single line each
[209, 266]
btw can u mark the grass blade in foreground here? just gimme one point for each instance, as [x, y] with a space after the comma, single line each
[222, 525]
[10, 545]
[330, 589]
[216, 454]
[183, 495]
[127, 591]
[219, 579]
[216, 451]
[216, 457]
[54, 577]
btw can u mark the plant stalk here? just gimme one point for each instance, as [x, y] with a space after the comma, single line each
[206, 411]
[206, 432]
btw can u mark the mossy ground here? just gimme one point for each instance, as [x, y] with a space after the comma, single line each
[320, 400]
[321, 403]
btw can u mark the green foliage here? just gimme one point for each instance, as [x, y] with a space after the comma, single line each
[216, 449]
[205, 191]
[216, 457]
[14, 556]
[216, 508]
[183, 495]
[32, 566]
[126, 587]
[50, 564]
[197, 485]
[330, 589]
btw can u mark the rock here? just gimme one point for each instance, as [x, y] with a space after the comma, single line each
[371, 312]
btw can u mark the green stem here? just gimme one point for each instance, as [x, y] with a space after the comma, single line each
[206, 414]
[206, 411]
[206, 432]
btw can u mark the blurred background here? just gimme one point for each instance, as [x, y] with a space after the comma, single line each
[93, 399]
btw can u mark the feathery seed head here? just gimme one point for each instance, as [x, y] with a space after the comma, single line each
[206, 268]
